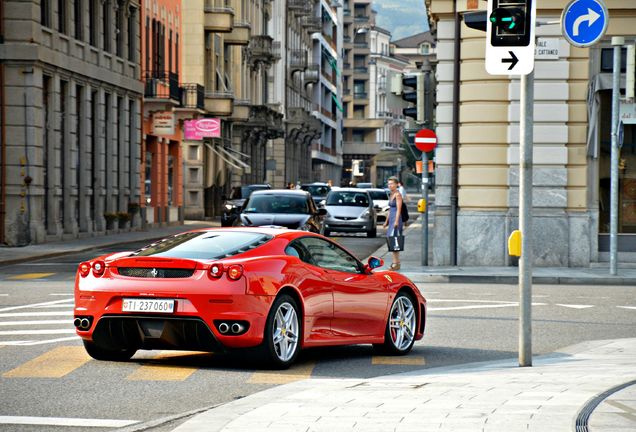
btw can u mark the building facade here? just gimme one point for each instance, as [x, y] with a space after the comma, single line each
[228, 52]
[163, 113]
[477, 160]
[71, 104]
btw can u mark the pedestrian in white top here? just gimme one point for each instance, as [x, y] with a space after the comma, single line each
[402, 191]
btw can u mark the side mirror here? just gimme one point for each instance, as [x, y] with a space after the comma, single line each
[322, 212]
[375, 262]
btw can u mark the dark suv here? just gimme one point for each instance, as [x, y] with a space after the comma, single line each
[232, 206]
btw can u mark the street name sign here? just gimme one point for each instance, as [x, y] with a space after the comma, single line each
[510, 37]
[584, 22]
[425, 140]
[547, 49]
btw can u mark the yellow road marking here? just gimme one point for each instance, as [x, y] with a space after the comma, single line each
[55, 363]
[295, 373]
[164, 370]
[31, 276]
[398, 360]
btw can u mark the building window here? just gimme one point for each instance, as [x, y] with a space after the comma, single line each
[79, 134]
[425, 48]
[92, 175]
[132, 34]
[78, 11]
[106, 25]
[45, 13]
[92, 22]
[148, 43]
[61, 16]
[170, 51]
[119, 30]
[46, 107]
[63, 143]
[176, 54]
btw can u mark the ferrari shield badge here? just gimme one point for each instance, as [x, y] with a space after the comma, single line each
[388, 278]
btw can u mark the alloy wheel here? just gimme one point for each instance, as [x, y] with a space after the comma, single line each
[285, 332]
[402, 323]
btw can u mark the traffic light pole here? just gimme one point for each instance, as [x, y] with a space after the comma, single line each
[525, 219]
[425, 214]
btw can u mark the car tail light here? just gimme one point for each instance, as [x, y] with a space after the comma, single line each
[84, 269]
[216, 270]
[235, 272]
[98, 268]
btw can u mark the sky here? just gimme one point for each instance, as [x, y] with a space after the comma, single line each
[401, 17]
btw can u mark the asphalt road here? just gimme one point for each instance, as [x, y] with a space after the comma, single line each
[44, 371]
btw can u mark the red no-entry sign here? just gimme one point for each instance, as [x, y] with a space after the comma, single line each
[426, 140]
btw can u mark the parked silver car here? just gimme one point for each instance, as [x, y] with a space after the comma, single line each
[349, 210]
[380, 199]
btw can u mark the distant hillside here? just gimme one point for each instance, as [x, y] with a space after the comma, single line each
[401, 17]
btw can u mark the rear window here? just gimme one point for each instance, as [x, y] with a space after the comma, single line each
[205, 245]
[280, 204]
[353, 199]
[316, 190]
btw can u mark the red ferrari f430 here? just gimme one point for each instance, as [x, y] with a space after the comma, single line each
[274, 290]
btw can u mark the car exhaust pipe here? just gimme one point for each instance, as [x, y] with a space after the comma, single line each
[85, 324]
[224, 328]
[237, 328]
[77, 322]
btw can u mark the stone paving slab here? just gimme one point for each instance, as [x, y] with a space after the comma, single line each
[490, 396]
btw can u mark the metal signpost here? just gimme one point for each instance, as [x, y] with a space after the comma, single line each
[425, 141]
[583, 24]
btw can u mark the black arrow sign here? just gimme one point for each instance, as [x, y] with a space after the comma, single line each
[513, 60]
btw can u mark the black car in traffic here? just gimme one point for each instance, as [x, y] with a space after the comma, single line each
[232, 206]
[282, 207]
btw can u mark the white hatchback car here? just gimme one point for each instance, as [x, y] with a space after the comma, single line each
[380, 199]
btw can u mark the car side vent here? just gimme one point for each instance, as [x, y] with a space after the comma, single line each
[153, 273]
[247, 248]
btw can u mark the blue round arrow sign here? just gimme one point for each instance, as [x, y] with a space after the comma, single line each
[584, 22]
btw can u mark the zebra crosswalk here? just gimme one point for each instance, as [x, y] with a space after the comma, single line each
[37, 323]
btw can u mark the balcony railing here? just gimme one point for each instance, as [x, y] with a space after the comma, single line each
[327, 113]
[360, 95]
[324, 149]
[296, 4]
[193, 96]
[261, 50]
[361, 45]
[361, 70]
[161, 85]
[311, 74]
[346, 92]
[361, 18]
[346, 39]
[312, 24]
[346, 66]
[218, 6]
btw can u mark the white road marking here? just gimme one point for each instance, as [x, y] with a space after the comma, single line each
[62, 294]
[18, 323]
[43, 342]
[468, 301]
[4, 295]
[571, 306]
[57, 306]
[627, 307]
[496, 306]
[62, 421]
[36, 332]
[33, 305]
[14, 342]
[35, 314]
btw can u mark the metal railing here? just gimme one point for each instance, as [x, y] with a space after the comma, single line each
[361, 70]
[218, 6]
[360, 95]
[312, 24]
[297, 59]
[161, 85]
[192, 96]
[219, 95]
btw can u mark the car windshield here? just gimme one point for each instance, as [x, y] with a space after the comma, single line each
[285, 204]
[205, 245]
[379, 195]
[316, 190]
[354, 199]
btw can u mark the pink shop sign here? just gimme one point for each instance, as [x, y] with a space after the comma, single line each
[196, 130]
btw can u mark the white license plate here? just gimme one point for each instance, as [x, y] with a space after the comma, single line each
[147, 305]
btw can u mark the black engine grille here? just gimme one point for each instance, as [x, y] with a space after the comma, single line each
[153, 273]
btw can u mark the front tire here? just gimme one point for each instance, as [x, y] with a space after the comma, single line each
[401, 326]
[100, 353]
[283, 330]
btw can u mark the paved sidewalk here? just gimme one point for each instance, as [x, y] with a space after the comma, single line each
[491, 396]
[14, 255]
[412, 267]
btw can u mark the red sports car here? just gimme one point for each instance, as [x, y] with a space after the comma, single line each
[274, 290]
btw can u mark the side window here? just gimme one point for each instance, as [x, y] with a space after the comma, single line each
[329, 256]
[297, 250]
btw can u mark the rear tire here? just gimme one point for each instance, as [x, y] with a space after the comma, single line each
[99, 353]
[283, 332]
[401, 327]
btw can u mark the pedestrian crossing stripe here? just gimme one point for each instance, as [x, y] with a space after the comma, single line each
[27, 276]
[295, 373]
[55, 363]
[158, 369]
[398, 361]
